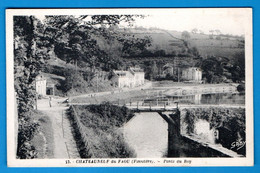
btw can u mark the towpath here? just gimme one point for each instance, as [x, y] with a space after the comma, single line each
[64, 144]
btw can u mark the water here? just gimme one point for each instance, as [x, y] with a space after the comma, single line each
[217, 98]
[147, 134]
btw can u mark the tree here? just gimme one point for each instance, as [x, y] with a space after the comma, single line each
[211, 68]
[212, 31]
[194, 31]
[238, 69]
[218, 32]
[78, 39]
[201, 32]
[195, 51]
[154, 70]
[185, 35]
[29, 55]
[72, 39]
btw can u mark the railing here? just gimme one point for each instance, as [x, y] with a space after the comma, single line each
[206, 90]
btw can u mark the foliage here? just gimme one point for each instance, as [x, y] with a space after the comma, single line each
[194, 30]
[221, 69]
[185, 35]
[26, 131]
[101, 124]
[77, 39]
[29, 54]
[231, 119]
[238, 67]
[241, 88]
[109, 115]
[217, 117]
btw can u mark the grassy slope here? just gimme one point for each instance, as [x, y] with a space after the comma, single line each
[43, 139]
[169, 41]
[105, 140]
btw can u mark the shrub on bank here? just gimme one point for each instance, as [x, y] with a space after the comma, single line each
[26, 131]
[102, 127]
[230, 120]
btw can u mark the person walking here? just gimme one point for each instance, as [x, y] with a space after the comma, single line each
[50, 101]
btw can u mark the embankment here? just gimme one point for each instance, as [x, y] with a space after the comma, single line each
[96, 129]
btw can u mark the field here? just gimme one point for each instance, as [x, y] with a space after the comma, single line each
[170, 41]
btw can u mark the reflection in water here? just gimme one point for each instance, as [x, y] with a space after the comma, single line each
[219, 98]
[147, 134]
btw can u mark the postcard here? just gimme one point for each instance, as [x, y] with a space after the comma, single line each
[129, 87]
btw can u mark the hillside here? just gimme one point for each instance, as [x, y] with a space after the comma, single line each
[166, 47]
[208, 45]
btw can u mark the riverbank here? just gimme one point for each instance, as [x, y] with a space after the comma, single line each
[116, 98]
[97, 126]
[167, 89]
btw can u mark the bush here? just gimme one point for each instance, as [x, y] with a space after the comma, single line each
[27, 129]
[241, 88]
[102, 123]
[231, 119]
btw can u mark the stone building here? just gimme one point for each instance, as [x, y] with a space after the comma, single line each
[41, 82]
[44, 86]
[134, 77]
[192, 74]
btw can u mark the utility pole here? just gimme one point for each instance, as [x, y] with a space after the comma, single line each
[178, 74]
[36, 99]
[97, 81]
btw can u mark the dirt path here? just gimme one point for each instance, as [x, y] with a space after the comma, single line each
[64, 144]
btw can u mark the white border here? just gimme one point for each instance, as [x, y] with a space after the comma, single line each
[13, 162]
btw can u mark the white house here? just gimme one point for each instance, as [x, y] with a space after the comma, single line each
[128, 79]
[138, 74]
[192, 74]
[41, 85]
[44, 85]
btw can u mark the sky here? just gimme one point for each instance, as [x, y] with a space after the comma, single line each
[228, 20]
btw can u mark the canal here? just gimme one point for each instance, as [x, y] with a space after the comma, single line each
[147, 132]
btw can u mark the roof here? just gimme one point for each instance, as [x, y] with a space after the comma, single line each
[122, 73]
[129, 73]
[167, 65]
[191, 68]
[40, 77]
[136, 69]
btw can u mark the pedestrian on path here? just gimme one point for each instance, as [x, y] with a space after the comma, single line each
[50, 101]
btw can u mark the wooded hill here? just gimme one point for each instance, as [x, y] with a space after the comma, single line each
[217, 55]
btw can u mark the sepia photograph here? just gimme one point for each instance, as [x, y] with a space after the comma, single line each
[129, 87]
